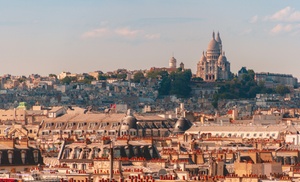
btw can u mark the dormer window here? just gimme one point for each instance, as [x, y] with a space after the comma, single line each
[67, 153]
[10, 156]
[96, 152]
[86, 153]
[77, 153]
[92, 125]
[23, 156]
[48, 125]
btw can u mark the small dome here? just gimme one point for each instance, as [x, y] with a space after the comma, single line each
[172, 59]
[203, 58]
[128, 123]
[182, 125]
[222, 58]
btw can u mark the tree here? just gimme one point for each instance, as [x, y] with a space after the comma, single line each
[165, 86]
[282, 90]
[67, 80]
[102, 77]
[197, 79]
[177, 83]
[246, 87]
[138, 76]
[88, 79]
[122, 76]
[152, 74]
[53, 75]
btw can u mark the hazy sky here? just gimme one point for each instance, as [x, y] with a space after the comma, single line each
[51, 36]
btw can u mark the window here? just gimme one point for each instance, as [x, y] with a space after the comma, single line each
[111, 133]
[70, 125]
[92, 125]
[67, 153]
[248, 134]
[83, 166]
[254, 134]
[95, 153]
[77, 153]
[115, 124]
[48, 125]
[86, 153]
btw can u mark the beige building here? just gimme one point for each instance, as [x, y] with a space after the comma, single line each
[213, 64]
[13, 115]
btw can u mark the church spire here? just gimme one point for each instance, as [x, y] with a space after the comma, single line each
[218, 39]
[213, 35]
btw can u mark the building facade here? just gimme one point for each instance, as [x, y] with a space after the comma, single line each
[274, 79]
[213, 64]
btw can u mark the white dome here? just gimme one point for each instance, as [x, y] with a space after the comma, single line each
[213, 45]
[222, 58]
[203, 58]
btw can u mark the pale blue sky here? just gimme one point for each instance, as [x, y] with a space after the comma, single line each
[51, 36]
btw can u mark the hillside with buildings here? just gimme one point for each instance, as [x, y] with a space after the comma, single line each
[160, 124]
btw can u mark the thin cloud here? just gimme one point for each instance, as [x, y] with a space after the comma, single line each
[279, 28]
[164, 21]
[286, 14]
[96, 33]
[152, 36]
[127, 32]
[246, 31]
[254, 19]
[122, 32]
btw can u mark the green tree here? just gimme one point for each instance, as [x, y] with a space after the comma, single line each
[53, 75]
[122, 76]
[152, 74]
[88, 79]
[177, 83]
[102, 77]
[67, 80]
[138, 76]
[165, 86]
[281, 89]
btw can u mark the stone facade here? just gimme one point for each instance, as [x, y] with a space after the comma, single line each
[213, 64]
